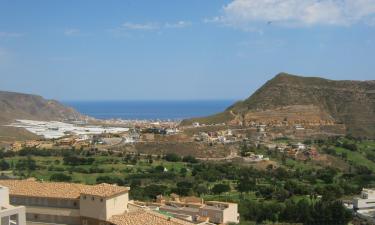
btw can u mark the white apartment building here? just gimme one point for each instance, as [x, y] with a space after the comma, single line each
[365, 201]
[10, 215]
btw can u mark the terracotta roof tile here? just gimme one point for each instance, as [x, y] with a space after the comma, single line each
[145, 217]
[59, 190]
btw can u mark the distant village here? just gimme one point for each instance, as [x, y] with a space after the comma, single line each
[115, 134]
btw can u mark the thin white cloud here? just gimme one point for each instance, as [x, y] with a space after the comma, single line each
[10, 35]
[215, 19]
[246, 13]
[151, 26]
[179, 24]
[72, 32]
[140, 26]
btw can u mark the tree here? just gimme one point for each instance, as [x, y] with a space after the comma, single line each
[172, 157]
[159, 169]
[327, 174]
[75, 161]
[4, 165]
[329, 212]
[280, 194]
[154, 190]
[350, 146]
[60, 177]
[245, 185]
[184, 188]
[189, 159]
[26, 164]
[370, 156]
[220, 188]
[183, 172]
[109, 180]
[201, 189]
[304, 211]
[281, 173]
[332, 192]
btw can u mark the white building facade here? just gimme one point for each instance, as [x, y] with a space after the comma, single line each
[10, 215]
[365, 201]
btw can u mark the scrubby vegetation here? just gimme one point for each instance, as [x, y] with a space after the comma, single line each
[293, 191]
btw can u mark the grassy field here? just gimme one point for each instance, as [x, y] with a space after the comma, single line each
[111, 166]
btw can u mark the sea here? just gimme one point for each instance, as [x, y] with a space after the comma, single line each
[149, 110]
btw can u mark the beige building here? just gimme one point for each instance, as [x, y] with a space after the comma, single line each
[78, 204]
[197, 210]
[67, 203]
[10, 215]
[220, 212]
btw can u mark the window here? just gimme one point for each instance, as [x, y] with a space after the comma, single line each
[101, 200]
[204, 213]
[74, 203]
[84, 197]
[92, 198]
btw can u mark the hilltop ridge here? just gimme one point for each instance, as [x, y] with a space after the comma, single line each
[316, 101]
[27, 106]
[33, 107]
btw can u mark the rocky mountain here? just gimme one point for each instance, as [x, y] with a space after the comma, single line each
[313, 101]
[25, 106]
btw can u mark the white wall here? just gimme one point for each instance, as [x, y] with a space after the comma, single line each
[117, 205]
[9, 210]
[363, 203]
[231, 214]
[4, 196]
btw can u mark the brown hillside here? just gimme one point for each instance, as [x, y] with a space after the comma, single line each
[25, 106]
[309, 100]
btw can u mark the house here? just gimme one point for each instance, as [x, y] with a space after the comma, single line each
[195, 210]
[299, 146]
[251, 157]
[77, 204]
[145, 217]
[292, 153]
[68, 203]
[364, 205]
[10, 215]
[261, 128]
[16, 146]
[172, 131]
[365, 201]
[31, 144]
[196, 124]
[65, 142]
[220, 212]
[312, 153]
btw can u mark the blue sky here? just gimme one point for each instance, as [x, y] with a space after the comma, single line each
[130, 50]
